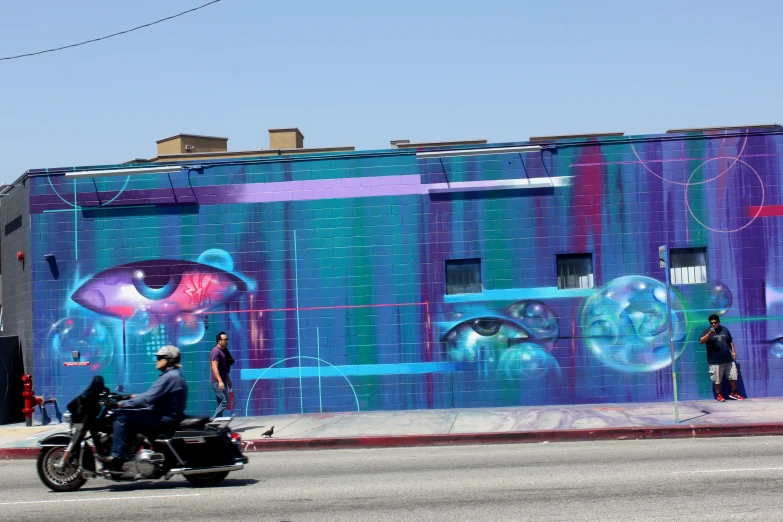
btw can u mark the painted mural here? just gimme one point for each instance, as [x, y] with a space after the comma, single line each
[327, 274]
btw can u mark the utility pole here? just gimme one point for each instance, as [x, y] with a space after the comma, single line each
[663, 258]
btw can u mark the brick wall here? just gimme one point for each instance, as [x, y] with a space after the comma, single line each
[16, 287]
[328, 274]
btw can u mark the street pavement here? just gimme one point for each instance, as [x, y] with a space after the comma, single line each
[479, 425]
[687, 479]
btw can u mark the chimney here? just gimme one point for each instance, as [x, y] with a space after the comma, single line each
[191, 143]
[395, 143]
[286, 139]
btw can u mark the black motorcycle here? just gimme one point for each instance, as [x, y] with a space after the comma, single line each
[203, 452]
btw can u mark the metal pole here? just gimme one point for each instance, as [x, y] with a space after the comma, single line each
[663, 256]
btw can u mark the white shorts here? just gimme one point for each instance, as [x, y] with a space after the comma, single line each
[719, 371]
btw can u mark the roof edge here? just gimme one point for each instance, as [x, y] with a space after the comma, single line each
[228, 154]
[576, 136]
[732, 127]
[452, 143]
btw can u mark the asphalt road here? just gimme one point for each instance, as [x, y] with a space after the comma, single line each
[706, 479]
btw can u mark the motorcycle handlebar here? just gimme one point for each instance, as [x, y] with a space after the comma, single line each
[115, 398]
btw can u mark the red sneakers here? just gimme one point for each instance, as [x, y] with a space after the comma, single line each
[736, 396]
[720, 398]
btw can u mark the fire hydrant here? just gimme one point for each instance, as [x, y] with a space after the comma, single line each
[31, 401]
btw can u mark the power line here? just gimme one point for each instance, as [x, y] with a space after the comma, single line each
[111, 35]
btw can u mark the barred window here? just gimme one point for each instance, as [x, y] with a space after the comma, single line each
[463, 276]
[575, 271]
[688, 266]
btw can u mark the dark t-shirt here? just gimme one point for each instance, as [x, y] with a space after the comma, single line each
[719, 346]
[218, 355]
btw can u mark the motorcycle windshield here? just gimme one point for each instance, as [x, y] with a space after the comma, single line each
[86, 403]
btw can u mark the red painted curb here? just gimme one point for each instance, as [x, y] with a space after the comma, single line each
[18, 453]
[515, 437]
[392, 441]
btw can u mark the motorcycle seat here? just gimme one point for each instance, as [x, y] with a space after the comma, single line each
[193, 423]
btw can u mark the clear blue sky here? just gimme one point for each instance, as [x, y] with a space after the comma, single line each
[364, 72]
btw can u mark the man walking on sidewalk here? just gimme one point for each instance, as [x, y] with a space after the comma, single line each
[721, 356]
[218, 374]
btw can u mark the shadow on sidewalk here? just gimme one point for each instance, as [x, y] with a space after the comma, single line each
[704, 413]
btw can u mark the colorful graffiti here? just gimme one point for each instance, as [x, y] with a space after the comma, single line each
[157, 288]
[516, 342]
[327, 273]
[627, 324]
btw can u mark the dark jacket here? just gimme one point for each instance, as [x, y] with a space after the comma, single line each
[166, 398]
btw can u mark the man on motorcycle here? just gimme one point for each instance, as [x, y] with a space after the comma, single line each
[154, 411]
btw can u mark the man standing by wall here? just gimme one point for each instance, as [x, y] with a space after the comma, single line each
[720, 356]
[218, 373]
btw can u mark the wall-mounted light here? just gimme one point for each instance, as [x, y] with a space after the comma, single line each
[52, 262]
[19, 255]
[123, 172]
[476, 152]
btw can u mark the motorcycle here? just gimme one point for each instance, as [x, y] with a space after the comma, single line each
[204, 452]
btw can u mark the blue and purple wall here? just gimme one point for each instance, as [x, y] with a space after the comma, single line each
[327, 273]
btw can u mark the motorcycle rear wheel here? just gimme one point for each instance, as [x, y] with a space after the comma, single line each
[69, 478]
[206, 480]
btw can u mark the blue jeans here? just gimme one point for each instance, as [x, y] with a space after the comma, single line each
[132, 422]
[222, 400]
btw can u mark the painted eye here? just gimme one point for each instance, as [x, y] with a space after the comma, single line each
[156, 281]
[158, 287]
[482, 338]
[486, 326]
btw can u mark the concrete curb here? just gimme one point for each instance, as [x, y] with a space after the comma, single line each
[396, 441]
[514, 437]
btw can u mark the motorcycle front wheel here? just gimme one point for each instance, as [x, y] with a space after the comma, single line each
[206, 480]
[56, 476]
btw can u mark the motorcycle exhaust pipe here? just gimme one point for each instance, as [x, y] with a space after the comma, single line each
[196, 471]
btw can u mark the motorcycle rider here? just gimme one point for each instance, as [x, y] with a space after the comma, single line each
[154, 411]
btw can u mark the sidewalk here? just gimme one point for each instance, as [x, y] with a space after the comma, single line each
[476, 426]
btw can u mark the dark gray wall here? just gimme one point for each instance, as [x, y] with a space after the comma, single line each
[17, 279]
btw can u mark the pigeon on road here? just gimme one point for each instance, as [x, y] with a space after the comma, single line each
[269, 432]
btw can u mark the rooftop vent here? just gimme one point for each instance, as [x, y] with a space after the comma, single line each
[190, 143]
[286, 139]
